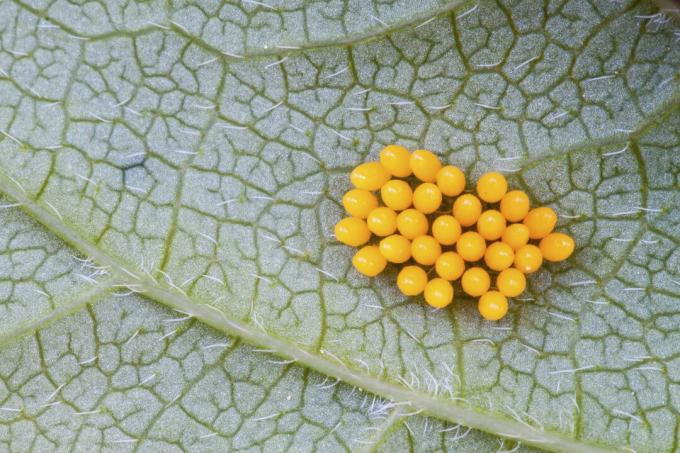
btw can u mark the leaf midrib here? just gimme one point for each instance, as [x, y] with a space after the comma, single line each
[323, 362]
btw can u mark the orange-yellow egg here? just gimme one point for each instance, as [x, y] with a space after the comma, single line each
[438, 293]
[491, 187]
[369, 176]
[427, 198]
[540, 222]
[511, 282]
[475, 281]
[411, 280]
[395, 248]
[369, 261]
[358, 203]
[491, 224]
[556, 247]
[412, 223]
[471, 246]
[395, 159]
[528, 259]
[499, 256]
[451, 180]
[382, 221]
[425, 165]
[466, 209]
[492, 306]
[446, 229]
[450, 266]
[396, 194]
[516, 235]
[425, 250]
[515, 205]
[352, 231]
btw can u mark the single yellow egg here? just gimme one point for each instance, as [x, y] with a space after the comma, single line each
[438, 293]
[528, 259]
[540, 222]
[466, 209]
[511, 282]
[451, 181]
[369, 261]
[411, 280]
[395, 248]
[352, 231]
[475, 281]
[382, 221]
[493, 306]
[471, 246]
[396, 194]
[515, 205]
[491, 224]
[369, 176]
[358, 203]
[556, 247]
[427, 198]
[450, 266]
[425, 250]
[491, 187]
[412, 223]
[395, 159]
[516, 236]
[425, 165]
[446, 229]
[499, 256]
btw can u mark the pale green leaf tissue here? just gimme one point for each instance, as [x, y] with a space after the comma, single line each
[171, 174]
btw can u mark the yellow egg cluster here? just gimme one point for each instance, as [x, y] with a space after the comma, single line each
[423, 226]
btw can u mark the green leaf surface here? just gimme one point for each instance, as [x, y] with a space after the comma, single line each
[190, 159]
[41, 279]
[114, 378]
[127, 375]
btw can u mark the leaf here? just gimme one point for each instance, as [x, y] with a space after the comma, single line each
[210, 182]
[113, 378]
[126, 374]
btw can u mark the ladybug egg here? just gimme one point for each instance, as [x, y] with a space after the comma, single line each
[359, 202]
[471, 246]
[556, 247]
[446, 229]
[395, 159]
[369, 261]
[438, 293]
[427, 197]
[475, 281]
[412, 223]
[352, 231]
[493, 306]
[382, 221]
[425, 250]
[515, 205]
[411, 280]
[466, 209]
[395, 248]
[396, 194]
[491, 225]
[451, 181]
[528, 259]
[516, 235]
[491, 187]
[540, 222]
[369, 176]
[425, 165]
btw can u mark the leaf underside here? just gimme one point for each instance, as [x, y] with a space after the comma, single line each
[194, 154]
